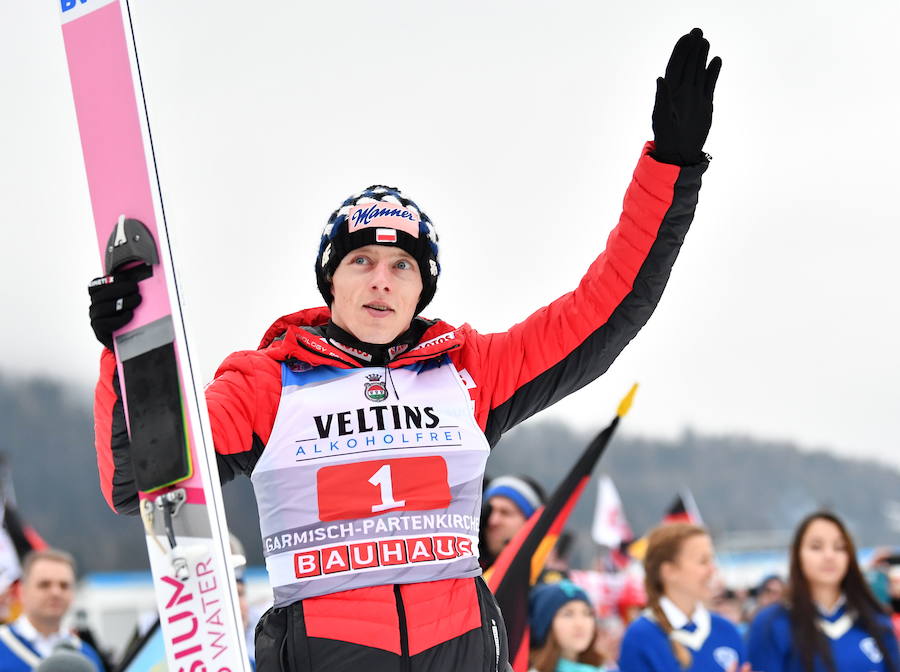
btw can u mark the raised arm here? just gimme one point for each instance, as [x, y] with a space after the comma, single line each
[563, 346]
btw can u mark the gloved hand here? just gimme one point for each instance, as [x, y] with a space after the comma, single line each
[682, 114]
[113, 300]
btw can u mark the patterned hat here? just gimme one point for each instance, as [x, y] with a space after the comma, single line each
[379, 215]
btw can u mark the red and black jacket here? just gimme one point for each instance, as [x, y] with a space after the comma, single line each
[514, 374]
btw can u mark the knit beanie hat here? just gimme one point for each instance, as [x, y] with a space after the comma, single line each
[543, 603]
[379, 215]
[524, 494]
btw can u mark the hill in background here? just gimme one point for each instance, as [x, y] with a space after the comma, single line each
[741, 484]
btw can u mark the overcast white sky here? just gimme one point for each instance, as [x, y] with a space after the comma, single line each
[516, 125]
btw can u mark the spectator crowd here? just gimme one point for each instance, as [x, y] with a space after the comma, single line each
[668, 610]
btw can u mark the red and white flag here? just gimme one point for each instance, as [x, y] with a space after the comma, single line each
[385, 236]
[10, 568]
[610, 527]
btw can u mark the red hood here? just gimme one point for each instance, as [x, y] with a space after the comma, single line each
[288, 338]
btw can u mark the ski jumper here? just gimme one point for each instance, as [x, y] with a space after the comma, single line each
[714, 644]
[367, 467]
[770, 644]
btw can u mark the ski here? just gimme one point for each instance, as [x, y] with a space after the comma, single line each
[168, 425]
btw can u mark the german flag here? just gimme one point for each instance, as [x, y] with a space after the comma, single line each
[683, 510]
[516, 569]
[24, 537]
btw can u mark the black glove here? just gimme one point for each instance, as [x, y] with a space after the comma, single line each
[113, 300]
[682, 114]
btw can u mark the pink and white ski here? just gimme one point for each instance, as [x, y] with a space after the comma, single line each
[175, 467]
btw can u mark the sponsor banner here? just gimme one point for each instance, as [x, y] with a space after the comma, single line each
[371, 555]
[437, 340]
[367, 529]
[356, 352]
[445, 440]
[383, 215]
[195, 614]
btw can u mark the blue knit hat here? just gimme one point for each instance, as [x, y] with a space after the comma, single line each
[379, 215]
[543, 603]
[526, 496]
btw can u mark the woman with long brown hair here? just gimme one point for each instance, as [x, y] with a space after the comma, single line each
[831, 620]
[676, 633]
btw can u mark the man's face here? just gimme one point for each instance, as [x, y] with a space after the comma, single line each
[47, 591]
[504, 520]
[376, 289]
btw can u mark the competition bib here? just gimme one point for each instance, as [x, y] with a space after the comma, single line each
[370, 477]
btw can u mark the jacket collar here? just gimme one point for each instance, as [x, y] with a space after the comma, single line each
[372, 354]
[43, 644]
[836, 611]
[309, 336]
[838, 621]
[678, 620]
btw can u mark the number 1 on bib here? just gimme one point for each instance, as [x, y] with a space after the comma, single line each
[382, 478]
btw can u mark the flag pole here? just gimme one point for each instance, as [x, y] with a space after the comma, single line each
[519, 564]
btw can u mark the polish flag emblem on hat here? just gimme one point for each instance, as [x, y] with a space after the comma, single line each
[385, 235]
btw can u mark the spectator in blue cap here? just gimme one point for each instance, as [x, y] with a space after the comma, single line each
[563, 629]
[509, 501]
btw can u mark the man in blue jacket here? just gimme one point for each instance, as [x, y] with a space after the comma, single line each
[46, 592]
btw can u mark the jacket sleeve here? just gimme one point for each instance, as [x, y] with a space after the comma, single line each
[242, 402]
[111, 441]
[564, 346]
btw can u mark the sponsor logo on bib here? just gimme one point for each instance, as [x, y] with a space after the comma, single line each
[383, 553]
[375, 388]
[69, 4]
[383, 216]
